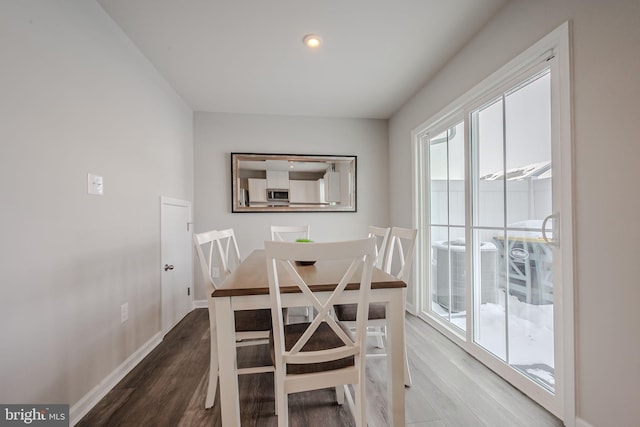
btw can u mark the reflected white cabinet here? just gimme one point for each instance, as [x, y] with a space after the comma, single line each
[257, 190]
[278, 180]
[304, 191]
[332, 186]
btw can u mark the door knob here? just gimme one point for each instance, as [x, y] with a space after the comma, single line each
[168, 267]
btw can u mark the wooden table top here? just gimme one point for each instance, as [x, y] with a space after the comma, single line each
[250, 278]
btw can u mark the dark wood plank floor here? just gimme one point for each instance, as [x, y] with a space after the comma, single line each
[450, 388]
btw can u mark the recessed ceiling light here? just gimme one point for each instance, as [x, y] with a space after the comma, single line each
[312, 41]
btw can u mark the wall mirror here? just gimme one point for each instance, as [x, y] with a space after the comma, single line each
[292, 183]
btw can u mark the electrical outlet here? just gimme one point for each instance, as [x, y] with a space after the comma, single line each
[124, 312]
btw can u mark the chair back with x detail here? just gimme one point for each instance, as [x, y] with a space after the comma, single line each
[321, 353]
[206, 242]
[396, 261]
[252, 326]
[228, 252]
[382, 237]
[289, 233]
[401, 246]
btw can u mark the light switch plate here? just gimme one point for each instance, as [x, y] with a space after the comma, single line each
[124, 312]
[95, 184]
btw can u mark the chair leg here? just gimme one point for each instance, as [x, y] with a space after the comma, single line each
[340, 395]
[379, 339]
[212, 387]
[275, 394]
[310, 314]
[282, 399]
[407, 372]
[360, 409]
[283, 410]
[213, 361]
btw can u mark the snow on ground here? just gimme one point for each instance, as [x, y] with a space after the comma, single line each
[530, 330]
[542, 374]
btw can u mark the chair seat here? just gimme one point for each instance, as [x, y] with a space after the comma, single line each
[323, 339]
[253, 320]
[347, 312]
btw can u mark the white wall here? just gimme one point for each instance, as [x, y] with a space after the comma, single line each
[78, 97]
[217, 135]
[606, 89]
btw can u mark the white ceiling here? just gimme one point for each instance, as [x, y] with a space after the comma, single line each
[247, 56]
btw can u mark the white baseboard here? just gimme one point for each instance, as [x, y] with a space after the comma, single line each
[582, 423]
[202, 303]
[89, 400]
[411, 309]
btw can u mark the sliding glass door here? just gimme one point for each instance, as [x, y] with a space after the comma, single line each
[489, 175]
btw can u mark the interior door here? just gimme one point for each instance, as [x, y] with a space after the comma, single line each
[175, 261]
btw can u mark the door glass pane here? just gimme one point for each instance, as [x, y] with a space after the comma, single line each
[456, 175]
[447, 207]
[488, 290]
[530, 306]
[448, 274]
[528, 159]
[488, 139]
[512, 263]
[440, 272]
[438, 173]
[528, 152]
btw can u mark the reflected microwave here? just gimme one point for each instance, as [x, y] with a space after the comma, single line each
[278, 195]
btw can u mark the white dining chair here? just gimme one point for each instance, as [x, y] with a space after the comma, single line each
[382, 237]
[397, 262]
[377, 327]
[228, 252]
[321, 353]
[289, 233]
[252, 327]
[399, 256]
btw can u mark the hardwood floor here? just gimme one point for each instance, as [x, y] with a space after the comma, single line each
[450, 388]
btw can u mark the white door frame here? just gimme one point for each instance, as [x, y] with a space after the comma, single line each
[189, 259]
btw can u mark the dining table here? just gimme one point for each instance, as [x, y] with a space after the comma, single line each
[247, 288]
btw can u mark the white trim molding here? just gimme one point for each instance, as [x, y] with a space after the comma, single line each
[89, 400]
[582, 423]
[201, 303]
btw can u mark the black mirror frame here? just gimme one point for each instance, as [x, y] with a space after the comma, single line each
[238, 207]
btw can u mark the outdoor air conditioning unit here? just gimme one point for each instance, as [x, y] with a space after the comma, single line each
[454, 300]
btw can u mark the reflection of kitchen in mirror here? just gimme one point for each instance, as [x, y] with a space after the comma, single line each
[279, 182]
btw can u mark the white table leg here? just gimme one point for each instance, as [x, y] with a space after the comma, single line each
[407, 373]
[395, 356]
[213, 360]
[229, 395]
